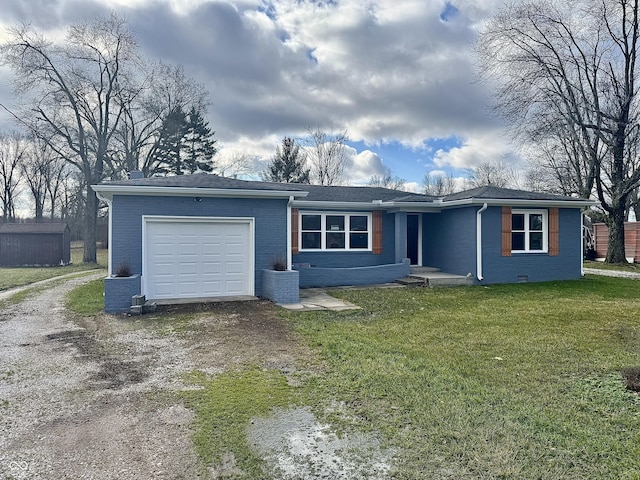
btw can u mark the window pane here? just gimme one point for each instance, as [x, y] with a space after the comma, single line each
[358, 240]
[517, 241]
[535, 241]
[358, 224]
[311, 239]
[335, 223]
[311, 222]
[535, 221]
[517, 221]
[335, 240]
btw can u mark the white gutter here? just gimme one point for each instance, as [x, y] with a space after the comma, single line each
[289, 256]
[479, 242]
[108, 191]
[109, 250]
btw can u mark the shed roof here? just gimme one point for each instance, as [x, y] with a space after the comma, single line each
[33, 228]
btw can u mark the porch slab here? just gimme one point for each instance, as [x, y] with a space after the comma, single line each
[317, 299]
[434, 278]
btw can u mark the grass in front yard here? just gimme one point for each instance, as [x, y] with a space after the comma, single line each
[513, 381]
[224, 407]
[11, 277]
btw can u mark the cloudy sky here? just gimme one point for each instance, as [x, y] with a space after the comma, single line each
[399, 75]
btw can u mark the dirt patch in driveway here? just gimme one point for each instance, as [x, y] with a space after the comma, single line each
[97, 397]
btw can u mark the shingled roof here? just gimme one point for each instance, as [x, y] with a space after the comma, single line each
[33, 227]
[324, 193]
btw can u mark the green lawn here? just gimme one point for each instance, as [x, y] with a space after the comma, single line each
[514, 381]
[18, 276]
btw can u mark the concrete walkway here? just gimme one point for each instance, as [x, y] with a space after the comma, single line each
[317, 299]
[612, 273]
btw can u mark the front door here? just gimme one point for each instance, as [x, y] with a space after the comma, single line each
[413, 238]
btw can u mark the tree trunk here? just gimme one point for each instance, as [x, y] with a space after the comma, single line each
[615, 249]
[89, 227]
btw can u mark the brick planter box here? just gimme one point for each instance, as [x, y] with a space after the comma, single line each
[118, 292]
[281, 286]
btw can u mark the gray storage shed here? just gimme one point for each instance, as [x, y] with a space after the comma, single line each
[31, 244]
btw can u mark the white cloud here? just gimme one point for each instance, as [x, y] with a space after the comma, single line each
[360, 167]
[475, 150]
[387, 70]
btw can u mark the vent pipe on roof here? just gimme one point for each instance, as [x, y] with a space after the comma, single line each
[135, 174]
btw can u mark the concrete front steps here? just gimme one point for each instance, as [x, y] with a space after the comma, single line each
[433, 278]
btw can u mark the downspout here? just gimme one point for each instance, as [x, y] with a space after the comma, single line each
[479, 242]
[582, 236]
[289, 259]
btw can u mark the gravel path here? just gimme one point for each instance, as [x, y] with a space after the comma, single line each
[77, 404]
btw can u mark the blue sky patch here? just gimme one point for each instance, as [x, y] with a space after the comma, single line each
[448, 12]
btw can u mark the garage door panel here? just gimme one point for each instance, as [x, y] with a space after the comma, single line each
[186, 259]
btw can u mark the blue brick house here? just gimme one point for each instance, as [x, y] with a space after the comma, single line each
[198, 237]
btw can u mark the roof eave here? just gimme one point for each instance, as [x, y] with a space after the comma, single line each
[108, 191]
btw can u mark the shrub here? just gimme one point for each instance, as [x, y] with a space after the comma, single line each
[123, 270]
[279, 264]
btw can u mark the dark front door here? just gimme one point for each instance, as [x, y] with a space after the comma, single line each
[413, 236]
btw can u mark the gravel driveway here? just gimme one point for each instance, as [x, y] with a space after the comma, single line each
[78, 406]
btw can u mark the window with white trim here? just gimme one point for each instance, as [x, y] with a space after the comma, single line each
[335, 231]
[529, 231]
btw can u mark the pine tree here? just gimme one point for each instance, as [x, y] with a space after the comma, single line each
[199, 145]
[185, 144]
[169, 151]
[287, 165]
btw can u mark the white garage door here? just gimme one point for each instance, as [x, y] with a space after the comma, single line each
[197, 258]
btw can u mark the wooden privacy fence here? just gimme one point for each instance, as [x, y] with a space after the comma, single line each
[631, 240]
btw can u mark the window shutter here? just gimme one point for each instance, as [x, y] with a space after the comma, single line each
[554, 228]
[506, 231]
[377, 232]
[294, 231]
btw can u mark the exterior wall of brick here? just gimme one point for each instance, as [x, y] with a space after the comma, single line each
[281, 287]
[337, 276]
[270, 223]
[118, 292]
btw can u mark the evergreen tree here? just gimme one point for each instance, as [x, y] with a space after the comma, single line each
[169, 151]
[185, 144]
[287, 165]
[199, 145]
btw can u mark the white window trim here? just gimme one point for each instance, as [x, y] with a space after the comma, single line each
[323, 231]
[545, 230]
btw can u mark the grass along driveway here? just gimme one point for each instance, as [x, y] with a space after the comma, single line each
[11, 277]
[514, 381]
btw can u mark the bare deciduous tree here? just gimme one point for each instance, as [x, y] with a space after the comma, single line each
[491, 173]
[235, 165]
[12, 151]
[566, 72]
[387, 181]
[326, 155]
[72, 92]
[439, 184]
